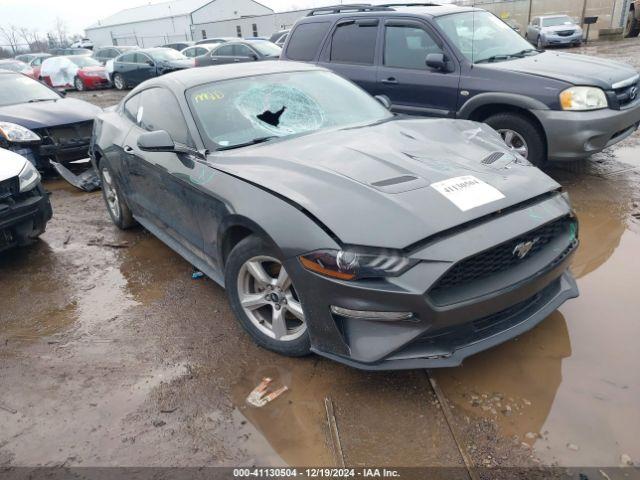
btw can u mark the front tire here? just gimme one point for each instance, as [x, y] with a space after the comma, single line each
[118, 81]
[114, 199]
[521, 135]
[264, 299]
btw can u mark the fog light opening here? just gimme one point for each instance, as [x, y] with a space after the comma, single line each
[371, 315]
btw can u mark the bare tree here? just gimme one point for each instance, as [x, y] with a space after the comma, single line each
[32, 39]
[11, 35]
[61, 32]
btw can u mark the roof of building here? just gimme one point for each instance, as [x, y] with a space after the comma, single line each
[174, 8]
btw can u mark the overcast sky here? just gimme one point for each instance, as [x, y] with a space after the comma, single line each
[78, 14]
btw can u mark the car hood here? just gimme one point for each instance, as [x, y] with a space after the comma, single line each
[11, 164]
[176, 63]
[372, 186]
[571, 68]
[49, 114]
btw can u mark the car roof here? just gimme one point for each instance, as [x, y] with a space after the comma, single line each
[191, 77]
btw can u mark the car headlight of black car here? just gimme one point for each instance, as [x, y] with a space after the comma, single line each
[28, 177]
[356, 264]
[15, 133]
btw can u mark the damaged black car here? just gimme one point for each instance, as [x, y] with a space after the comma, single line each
[336, 227]
[40, 124]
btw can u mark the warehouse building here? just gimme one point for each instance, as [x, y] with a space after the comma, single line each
[161, 23]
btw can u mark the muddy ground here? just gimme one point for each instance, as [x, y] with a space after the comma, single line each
[112, 355]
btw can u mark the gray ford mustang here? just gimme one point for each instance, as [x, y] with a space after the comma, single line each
[380, 241]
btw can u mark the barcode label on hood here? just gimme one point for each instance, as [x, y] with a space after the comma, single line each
[467, 192]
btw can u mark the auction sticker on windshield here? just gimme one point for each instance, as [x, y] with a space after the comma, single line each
[467, 192]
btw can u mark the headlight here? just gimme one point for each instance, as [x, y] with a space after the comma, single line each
[17, 133]
[29, 177]
[583, 98]
[355, 264]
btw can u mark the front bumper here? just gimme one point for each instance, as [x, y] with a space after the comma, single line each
[557, 40]
[449, 326]
[576, 135]
[91, 83]
[24, 217]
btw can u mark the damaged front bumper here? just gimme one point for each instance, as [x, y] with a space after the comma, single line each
[23, 217]
[446, 324]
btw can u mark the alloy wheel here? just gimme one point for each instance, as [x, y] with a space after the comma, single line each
[78, 84]
[514, 141]
[118, 82]
[110, 193]
[269, 299]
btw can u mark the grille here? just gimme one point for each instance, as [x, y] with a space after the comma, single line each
[566, 33]
[628, 94]
[501, 257]
[71, 134]
[491, 158]
[9, 187]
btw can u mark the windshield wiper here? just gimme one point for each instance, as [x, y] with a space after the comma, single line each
[255, 141]
[36, 100]
[506, 56]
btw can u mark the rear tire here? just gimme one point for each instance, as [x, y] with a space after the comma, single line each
[526, 129]
[118, 82]
[632, 27]
[258, 315]
[114, 199]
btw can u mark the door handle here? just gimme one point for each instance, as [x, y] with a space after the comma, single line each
[128, 149]
[236, 59]
[390, 81]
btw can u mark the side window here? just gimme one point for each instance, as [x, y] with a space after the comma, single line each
[127, 58]
[131, 108]
[305, 41]
[224, 51]
[190, 53]
[406, 46]
[161, 111]
[36, 62]
[141, 58]
[354, 42]
[242, 51]
[201, 51]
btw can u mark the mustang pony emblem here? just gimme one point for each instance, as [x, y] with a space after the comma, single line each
[522, 249]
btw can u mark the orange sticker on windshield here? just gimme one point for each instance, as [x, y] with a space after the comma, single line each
[208, 97]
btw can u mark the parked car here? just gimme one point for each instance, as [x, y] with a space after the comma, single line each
[280, 37]
[216, 40]
[40, 124]
[25, 208]
[17, 66]
[198, 50]
[83, 43]
[463, 62]
[104, 54]
[632, 24]
[69, 51]
[239, 51]
[179, 46]
[75, 71]
[34, 60]
[380, 241]
[554, 30]
[133, 68]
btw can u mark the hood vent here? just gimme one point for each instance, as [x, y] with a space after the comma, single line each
[394, 181]
[491, 158]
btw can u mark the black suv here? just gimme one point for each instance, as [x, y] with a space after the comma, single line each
[464, 62]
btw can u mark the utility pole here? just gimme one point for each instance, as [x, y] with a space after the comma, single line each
[584, 12]
[529, 14]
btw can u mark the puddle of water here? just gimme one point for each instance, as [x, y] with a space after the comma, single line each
[573, 381]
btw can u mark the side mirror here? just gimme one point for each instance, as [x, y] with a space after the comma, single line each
[158, 141]
[436, 61]
[161, 141]
[384, 100]
[253, 57]
[150, 63]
